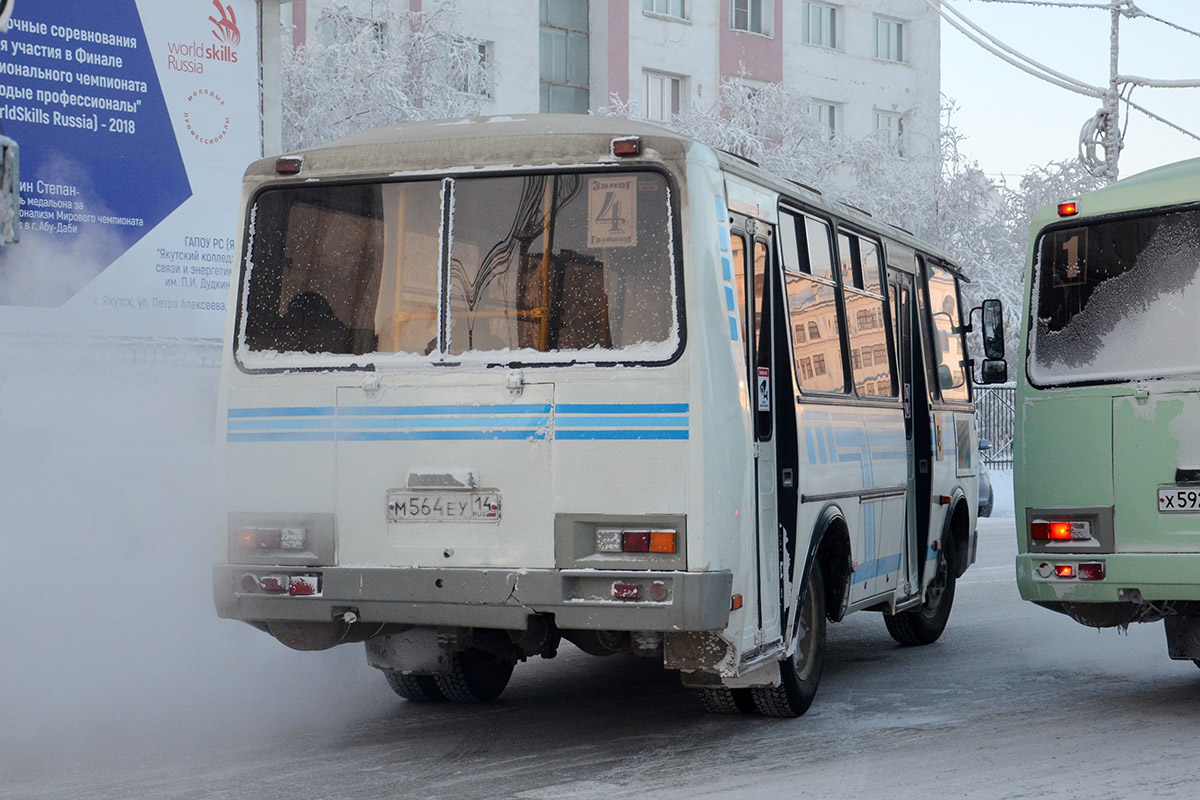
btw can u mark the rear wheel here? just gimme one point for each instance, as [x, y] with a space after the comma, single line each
[800, 674]
[476, 676]
[417, 688]
[727, 701]
[925, 624]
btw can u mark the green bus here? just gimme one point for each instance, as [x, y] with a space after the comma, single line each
[1107, 462]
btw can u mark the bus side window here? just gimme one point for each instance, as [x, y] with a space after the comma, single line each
[866, 321]
[813, 317]
[739, 281]
[948, 335]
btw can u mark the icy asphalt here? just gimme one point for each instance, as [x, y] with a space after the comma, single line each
[117, 680]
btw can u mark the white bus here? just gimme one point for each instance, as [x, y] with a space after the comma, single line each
[494, 383]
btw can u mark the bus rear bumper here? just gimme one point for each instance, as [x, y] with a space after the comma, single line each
[1128, 577]
[579, 599]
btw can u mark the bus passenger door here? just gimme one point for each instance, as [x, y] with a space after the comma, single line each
[751, 241]
[910, 366]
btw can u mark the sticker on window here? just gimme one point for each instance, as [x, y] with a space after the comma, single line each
[612, 212]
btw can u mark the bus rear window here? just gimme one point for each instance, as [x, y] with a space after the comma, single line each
[528, 268]
[1113, 300]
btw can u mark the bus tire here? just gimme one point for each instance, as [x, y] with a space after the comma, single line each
[727, 701]
[924, 625]
[475, 676]
[801, 673]
[417, 688]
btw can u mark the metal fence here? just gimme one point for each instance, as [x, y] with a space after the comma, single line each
[994, 416]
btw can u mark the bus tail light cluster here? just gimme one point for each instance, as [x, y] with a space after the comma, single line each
[621, 540]
[630, 590]
[275, 583]
[1082, 571]
[271, 538]
[1074, 530]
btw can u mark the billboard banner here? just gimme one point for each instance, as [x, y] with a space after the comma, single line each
[135, 120]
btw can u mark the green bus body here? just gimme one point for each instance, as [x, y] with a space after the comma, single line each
[1107, 412]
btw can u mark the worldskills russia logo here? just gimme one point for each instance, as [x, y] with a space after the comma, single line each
[225, 27]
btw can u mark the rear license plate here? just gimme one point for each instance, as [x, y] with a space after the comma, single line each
[1178, 499]
[451, 506]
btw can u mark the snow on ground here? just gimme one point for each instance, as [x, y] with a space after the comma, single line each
[1002, 488]
[110, 641]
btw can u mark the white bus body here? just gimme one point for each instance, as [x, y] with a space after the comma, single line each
[520, 402]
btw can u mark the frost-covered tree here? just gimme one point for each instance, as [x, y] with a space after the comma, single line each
[943, 198]
[387, 67]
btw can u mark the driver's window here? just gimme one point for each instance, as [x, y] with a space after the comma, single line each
[948, 339]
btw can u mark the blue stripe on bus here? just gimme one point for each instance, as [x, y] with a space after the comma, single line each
[877, 567]
[617, 422]
[390, 411]
[730, 299]
[726, 243]
[622, 408]
[722, 211]
[481, 423]
[610, 433]
[726, 268]
[434, 435]
[733, 328]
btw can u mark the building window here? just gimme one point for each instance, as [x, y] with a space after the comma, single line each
[564, 56]
[668, 8]
[664, 96]
[819, 25]
[826, 114]
[747, 16]
[891, 126]
[889, 39]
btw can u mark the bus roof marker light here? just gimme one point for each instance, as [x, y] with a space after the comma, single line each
[288, 165]
[1068, 209]
[627, 146]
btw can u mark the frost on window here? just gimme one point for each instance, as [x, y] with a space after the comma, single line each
[558, 267]
[1116, 301]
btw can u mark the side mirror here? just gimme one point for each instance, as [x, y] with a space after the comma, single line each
[993, 329]
[993, 370]
[985, 444]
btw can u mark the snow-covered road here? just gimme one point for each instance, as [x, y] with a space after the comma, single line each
[118, 681]
[1013, 702]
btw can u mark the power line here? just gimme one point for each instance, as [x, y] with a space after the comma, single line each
[1008, 54]
[1135, 12]
[1121, 86]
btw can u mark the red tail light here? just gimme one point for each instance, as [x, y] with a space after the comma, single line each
[1060, 530]
[1068, 209]
[1064, 571]
[626, 591]
[1091, 571]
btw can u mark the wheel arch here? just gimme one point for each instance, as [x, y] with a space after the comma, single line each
[957, 526]
[831, 549]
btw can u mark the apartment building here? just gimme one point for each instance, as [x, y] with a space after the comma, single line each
[866, 65]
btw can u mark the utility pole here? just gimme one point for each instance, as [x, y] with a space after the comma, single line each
[1112, 108]
[1103, 130]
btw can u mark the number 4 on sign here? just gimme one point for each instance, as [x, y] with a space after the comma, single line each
[764, 388]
